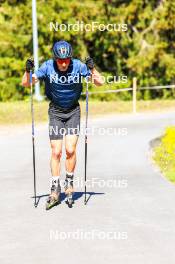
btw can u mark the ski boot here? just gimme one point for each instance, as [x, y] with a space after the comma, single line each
[54, 197]
[68, 185]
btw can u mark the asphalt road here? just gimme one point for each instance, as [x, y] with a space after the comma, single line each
[130, 214]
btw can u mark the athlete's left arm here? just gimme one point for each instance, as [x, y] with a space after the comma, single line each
[96, 77]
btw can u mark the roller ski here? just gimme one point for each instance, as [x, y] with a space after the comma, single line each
[54, 197]
[69, 191]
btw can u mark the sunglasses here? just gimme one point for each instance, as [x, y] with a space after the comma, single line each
[61, 61]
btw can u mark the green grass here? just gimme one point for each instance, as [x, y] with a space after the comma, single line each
[13, 113]
[19, 112]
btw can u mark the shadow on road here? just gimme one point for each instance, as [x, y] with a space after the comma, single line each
[76, 196]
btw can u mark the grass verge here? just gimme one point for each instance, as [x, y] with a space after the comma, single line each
[13, 113]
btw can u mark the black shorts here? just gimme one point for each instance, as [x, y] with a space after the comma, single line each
[63, 122]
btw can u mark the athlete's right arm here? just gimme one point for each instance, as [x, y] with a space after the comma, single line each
[26, 79]
[39, 74]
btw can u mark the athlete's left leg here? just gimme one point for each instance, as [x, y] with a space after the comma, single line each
[72, 132]
[70, 145]
[72, 126]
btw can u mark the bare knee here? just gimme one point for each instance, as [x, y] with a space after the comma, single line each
[56, 152]
[70, 152]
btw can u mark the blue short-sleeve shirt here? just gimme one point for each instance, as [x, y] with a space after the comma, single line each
[63, 88]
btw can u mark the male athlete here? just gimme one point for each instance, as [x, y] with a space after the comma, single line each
[62, 76]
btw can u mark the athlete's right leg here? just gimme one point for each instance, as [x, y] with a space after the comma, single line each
[56, 126]
[56, 140]
[54, 198]
[56, 148]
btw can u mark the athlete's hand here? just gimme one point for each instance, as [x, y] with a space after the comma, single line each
[30, 65]
[90, 63]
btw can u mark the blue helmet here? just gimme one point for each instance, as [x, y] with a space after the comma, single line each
[62, 50]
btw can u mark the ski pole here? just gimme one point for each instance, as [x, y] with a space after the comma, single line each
[33, 137]
[85, 175]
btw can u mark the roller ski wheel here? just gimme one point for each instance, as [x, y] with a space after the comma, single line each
[51, 202]
[69, 191]
[69, 200]
[54, 197]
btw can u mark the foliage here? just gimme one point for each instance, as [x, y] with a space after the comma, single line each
[165, 153]
[146, 50]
